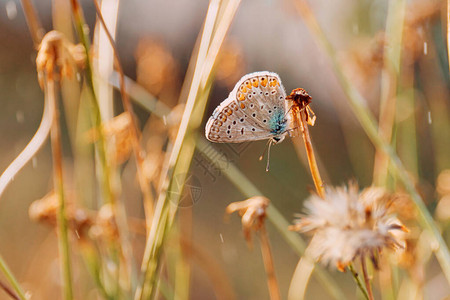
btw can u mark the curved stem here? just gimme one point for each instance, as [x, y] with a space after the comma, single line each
[30, 150]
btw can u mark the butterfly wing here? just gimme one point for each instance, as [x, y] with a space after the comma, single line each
[254, 110]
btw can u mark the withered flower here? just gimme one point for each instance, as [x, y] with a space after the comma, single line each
[45, 210]
[118, 134]
[253, 213]
[56, 51]
[105, 226]
[347, 224]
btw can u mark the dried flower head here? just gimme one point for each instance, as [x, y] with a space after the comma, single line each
[56, 51]
[105, 226]
[253, 213]
[348, 224]
[299, 101]
[45, 210]
[119, 136]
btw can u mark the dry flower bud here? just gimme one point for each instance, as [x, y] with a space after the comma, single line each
[56, 51]
[45, 210]
[118, 133]
[105, 226]
[253, 213]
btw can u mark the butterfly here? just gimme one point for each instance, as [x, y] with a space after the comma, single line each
[254, 110]
[257, 109]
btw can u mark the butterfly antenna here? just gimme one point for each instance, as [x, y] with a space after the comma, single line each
[265, 148]
[268, 155]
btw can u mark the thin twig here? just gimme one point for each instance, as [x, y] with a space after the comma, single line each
[358, 281]
[58, 182]
[274, 289]
[137, 149]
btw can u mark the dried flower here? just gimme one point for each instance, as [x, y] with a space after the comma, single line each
[253, 212]
[105, 226]
[347, 224]
[299, 101]
[45, 210]
[118, 134]
[56, 51]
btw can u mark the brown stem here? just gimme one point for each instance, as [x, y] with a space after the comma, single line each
[366, 277]
[272, 283]
[8, 290]
[145, 188]
[63, 239]
[311, 157]
[34, 24]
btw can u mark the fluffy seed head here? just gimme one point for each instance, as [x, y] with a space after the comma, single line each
[348, 223]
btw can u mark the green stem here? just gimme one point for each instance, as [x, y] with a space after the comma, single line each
[96, 115]
[11, 279]
[389, 78]
[369, 124]
[358, 281]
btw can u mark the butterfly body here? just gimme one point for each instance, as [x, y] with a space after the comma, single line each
[254, 110]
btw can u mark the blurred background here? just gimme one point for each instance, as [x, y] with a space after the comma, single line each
[155, 40]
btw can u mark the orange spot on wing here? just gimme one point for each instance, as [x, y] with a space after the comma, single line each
[263, 81]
